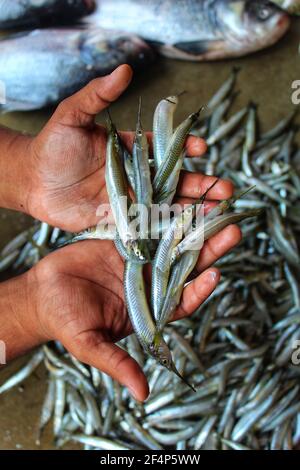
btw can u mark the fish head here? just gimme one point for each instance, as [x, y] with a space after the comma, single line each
[182, 222]
[110, 48]
[250, 25]
[175, 256]
[161, 352]
[174, 99]
[139, 249]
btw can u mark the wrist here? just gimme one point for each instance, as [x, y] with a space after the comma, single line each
[20, 327]
[17, 172]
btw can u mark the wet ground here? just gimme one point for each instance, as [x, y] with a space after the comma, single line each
[265, 78]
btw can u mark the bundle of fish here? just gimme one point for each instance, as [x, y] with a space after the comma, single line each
[239, 349]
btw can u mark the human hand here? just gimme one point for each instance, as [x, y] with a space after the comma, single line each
[68, 156]
[79, 291]
[79, 301]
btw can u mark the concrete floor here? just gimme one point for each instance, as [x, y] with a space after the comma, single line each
[266, 78]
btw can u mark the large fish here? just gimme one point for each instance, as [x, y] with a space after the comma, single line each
[15, 13]
[196, 29]
[44, 66]
[292, 6]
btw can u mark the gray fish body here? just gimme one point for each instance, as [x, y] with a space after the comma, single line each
[15, 13]
[196, 29]
[44, 66]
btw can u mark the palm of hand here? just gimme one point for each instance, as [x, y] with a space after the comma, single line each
[86, 294]
[80, 303]
[71, 169]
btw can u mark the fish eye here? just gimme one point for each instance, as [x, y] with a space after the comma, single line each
[264, 12]
[164, 362]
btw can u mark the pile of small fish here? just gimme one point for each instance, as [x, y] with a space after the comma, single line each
[240, 349]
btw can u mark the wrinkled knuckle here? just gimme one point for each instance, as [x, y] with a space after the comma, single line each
[212, 250]
[117, 359]
[83, 343]
[99, 95]
[93, 84]
[63, 106]
[47, 270]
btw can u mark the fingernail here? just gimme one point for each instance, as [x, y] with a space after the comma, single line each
[213, 275]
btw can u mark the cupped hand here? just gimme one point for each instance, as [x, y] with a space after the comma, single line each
[80, 302]
[68, 156]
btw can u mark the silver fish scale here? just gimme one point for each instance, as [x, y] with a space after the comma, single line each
[137, 302]
[161, 271]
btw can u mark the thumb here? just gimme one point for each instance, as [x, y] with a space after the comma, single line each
[91, 349]
[81, 108]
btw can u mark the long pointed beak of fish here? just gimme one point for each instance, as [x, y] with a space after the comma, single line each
[182, 378]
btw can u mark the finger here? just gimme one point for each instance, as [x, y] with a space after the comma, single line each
[81, 108]
[185, 201]
[195, 146]
[106, 356]
[194, 185]
[218, 246]
[195, 293]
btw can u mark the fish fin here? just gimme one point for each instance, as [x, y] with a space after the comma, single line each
[194, 50]
[200, 47]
